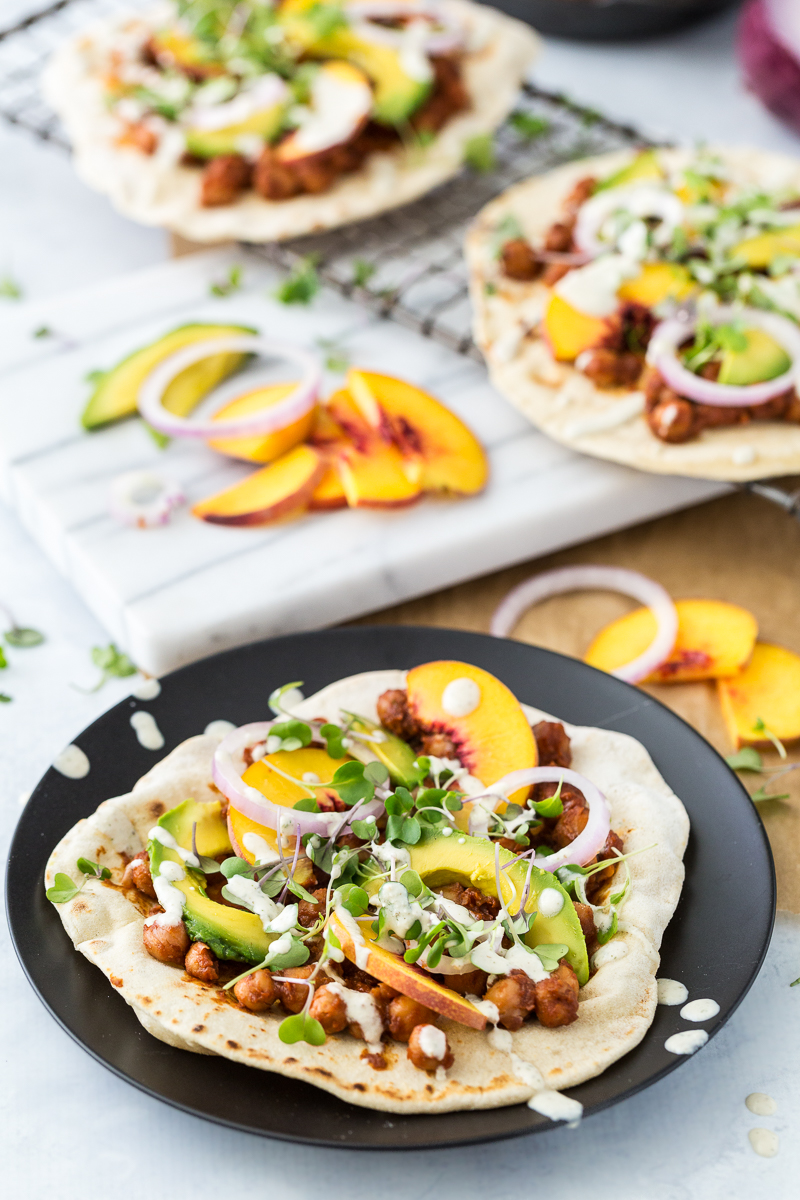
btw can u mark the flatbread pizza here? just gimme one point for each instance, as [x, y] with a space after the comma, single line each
[338, 895]
[258, 122]
[644, 308]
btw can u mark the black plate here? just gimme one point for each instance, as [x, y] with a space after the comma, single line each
[715, 943]
[605, 20]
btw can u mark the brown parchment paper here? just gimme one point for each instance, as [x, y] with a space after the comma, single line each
[738, 548]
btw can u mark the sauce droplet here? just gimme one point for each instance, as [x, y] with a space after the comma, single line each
[146, 689]
[147, 732]
[551, 902]
[764, 1142]
[461, 697]
[556, 1106]
[670, 991]
[700, 1010]
[761, 1104]
[72, 762]
[609, 953]
[686, 1042]
[219, 729]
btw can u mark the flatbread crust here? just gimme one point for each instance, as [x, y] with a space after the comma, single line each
[560, 400]
[157, 193]
[617, 1005]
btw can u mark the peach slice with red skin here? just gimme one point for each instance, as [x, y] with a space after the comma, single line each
[410, 980]
[441, 453]
[492, 739]
[764, 696]
[372, 472]
[284, 487]
[715, 639]
[264, 447]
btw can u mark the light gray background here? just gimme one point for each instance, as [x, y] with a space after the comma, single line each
[67, 1127]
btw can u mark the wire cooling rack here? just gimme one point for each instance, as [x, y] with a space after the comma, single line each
[407, 265]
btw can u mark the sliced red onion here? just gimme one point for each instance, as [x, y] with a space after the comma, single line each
[640, 200]
[769, 51]
[447, 37]
[669, 335]
[592, 838]
[267, 420]
[612, 579]
[143, 499]
[229, 766]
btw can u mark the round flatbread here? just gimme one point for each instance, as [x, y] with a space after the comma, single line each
[491, 1068]
[154, 192]
[561, 400]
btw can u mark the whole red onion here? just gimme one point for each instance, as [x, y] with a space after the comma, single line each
[769, 51]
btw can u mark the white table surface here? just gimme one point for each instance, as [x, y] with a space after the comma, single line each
[67, 1126]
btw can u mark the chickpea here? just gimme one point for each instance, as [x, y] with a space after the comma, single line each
[167, 943]
[256, 992]
[201, 962]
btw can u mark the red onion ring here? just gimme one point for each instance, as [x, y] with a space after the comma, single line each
[596, 210]
[442, 41]
[590, 841]
[667, 337]
[613, 579]
[144, 499]
[227, 770]
[267, 420]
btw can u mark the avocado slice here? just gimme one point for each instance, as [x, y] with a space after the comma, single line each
[762, 359]
[395, 754]
[397, 93]
[759, 251]
[117, 391]
[208, 143]
[645, 167]
[229, 932]
[470, 861]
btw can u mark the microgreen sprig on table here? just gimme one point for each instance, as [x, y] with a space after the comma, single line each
[232, 282]
[302, 284]
[112, 663]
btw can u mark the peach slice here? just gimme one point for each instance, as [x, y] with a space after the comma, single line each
[766, 695]
[658, 282]
[282, 488]
[492, 737]
[570, 332]
[410, 980]
[715, 639]
[329, 494]
[265, 447]
[372, 471]
[441, 453]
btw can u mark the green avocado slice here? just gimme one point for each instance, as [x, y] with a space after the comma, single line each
[761, 359]
[208, 143]
[470, 862]
[645, 167]
[395, 754]
[230, 932]
[117, 390]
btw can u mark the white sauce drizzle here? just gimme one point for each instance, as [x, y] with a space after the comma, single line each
[146, 689]
[268, 91]
[556, 1106]
[551, 902]
[147, 732]
[170, 898]
[248, 892]
[764, 1142]
[219, 728]
[400, 911]
[670, 991]
[761, 1104]
[743, 456]
[593, 289]
[432, 1042]
[518, 957]
[686, 1042]
[72, 762]
[461, 697]
[337, 109]
[260, 849]
[700, 1010]
[285, 920]
[361, 1009]
[608, 953]
[159, 834]
[614, 416]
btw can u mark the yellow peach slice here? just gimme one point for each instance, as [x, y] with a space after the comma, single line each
[764, 696]
[714, 639]
[372, 471]
[446, 455]
[479, 714]
[570, 332]
[264, 447]
[656, 283]
[278, 490]
[329, 493]
[392, 969]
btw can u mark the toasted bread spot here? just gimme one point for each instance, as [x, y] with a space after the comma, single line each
[198, 1028]
[115, 980]
[233, 1045]
[157, 808]
[287, 1061]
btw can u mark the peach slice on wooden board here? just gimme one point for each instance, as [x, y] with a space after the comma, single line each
[480, 715]
[264, 447]
[570, 332]
[390, 968]
[278, 490]
[765, 696]
[372, 471]
[440, 451]
[715, 639]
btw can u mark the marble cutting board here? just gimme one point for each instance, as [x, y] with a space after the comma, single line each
[171, 595]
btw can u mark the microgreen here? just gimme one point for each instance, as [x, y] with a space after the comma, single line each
[412, 882]
[113, 664]
[711, 340]
[795, 982]
[276, 698]
[63, 889]
[302, 285]
[479, 153]
[235, 866]
[294, 734]
[746, 759]
[365, 830]
[490, 289]
[353, 898]
[337, 356]
[5, 698]
[552, 806]
[307, 804]
[415, 952]
[299, 891]
[96, 376]
[762, 794]
[363, 270]
[527, 125]
[334, 740]
[295, 956]
[551, 955]
[301, 1028]
[760, 727]
[22, 638]
[3, 659]
[44, 331]
[93, 869]
[353, 783]
[508, 229]
[160, 439]
[232, 283]
[325, 19]
[10, 289]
